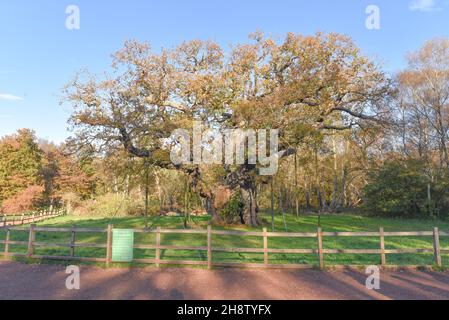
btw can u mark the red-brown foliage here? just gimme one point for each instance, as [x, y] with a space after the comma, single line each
[24, 201]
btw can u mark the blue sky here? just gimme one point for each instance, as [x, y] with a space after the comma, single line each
[38, 54]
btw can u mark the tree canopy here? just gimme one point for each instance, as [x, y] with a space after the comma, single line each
[303, 85]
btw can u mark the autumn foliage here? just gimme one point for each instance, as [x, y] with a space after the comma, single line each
[35, 174]
[25, 201]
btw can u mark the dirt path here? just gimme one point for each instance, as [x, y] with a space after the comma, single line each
[19, 281]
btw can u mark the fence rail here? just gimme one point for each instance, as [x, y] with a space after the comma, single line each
[23, 219]
[319, 251]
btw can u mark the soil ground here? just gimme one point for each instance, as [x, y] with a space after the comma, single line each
[22, 281]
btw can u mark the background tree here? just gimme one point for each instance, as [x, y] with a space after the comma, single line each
[20, 163]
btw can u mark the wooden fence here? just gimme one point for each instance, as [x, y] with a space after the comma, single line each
[320, 251]
[15, 220]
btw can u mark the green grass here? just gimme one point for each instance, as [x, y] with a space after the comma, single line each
[330, 223]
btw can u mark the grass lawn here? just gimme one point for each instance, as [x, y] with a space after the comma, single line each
[303, 224]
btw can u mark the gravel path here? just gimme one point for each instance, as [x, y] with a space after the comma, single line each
[20, 281]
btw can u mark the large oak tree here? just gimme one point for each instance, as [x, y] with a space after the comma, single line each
[303, 85]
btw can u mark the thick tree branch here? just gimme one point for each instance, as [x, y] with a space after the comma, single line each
[128, 145]
[355, 114]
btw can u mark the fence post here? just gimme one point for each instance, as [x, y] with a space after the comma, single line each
[436, 246]
[8, 237]
[31, 239]
[383, 259]
[209, 247]
[23, 218]
[4, 220]
[109, 246]
[72, 242]
[320, 247]
[265, 246]
[158, 247]
[32, 218]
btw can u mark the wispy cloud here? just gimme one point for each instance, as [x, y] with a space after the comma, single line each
[424, 5]
[9, 97]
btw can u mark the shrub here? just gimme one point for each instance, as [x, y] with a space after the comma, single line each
[71, 201]
[27, 200]
[232, 211]
[113, 205]
[400, 188]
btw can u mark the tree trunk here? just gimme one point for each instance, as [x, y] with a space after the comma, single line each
[250, 207]
[344, 177]
[241, 180]
[334, 203]
[343, 200]
[147, 192]
[296, 186]
[308, 204]
[187, 206]
[127, 185]
[272, 203]
[282, 209]
[159, 190]
[324, 202]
